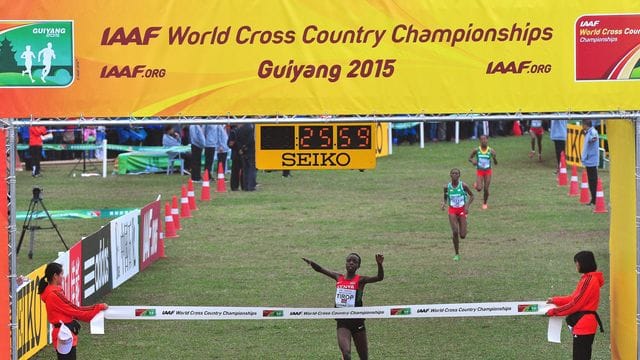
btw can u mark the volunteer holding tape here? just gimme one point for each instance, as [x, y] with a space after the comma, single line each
[62, 312]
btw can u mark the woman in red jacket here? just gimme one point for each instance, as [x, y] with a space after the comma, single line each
[60, 309]
[580, 307]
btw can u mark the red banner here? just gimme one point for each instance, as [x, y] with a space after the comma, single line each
[149, 234]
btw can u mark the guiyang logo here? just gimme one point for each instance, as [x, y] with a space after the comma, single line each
[145, 312]
[36, 53]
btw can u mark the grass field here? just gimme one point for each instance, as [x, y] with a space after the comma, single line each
[244, 249]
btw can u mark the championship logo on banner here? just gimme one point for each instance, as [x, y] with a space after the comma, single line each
[149, 234]
[96, 263]
[36, 53]
[32, 317]
[74, 274]
[608, 47]
[124, 247]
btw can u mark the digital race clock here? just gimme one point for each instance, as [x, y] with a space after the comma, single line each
[315, 146]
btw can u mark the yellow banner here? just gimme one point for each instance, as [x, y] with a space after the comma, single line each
[218, 57]
[33, 329]
[622, 240]
[573, 148]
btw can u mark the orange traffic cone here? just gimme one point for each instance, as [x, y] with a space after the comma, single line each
[169, 229]
[191, 195]
[185, 210]
[175, 212]
[573, 186]
[600, 206]
[206, 193]
[221, 187]
[562, 172]
[585, 195]
[516, 128]
[161, 246]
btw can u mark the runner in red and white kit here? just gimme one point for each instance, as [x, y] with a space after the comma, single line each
[459, 197]
[349, 291]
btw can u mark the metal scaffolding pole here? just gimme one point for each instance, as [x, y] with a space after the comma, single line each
[13, 267]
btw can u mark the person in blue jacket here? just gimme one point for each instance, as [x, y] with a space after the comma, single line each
[591, 156]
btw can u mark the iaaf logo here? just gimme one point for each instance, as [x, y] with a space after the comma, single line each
[168, 312]
[527, 307]
[145, 312]
[400, 311]
[272, 313]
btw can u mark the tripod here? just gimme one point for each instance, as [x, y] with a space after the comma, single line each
[83, 160]
[35, 200]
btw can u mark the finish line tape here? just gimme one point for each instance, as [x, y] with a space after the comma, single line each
[281, 313]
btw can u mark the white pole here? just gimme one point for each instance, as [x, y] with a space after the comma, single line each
[390, 139]
[457, 132]
[422, 135]
[104, 158]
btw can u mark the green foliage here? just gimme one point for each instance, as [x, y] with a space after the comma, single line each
[244, 249]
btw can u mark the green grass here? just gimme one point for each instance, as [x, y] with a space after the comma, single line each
[244, 249]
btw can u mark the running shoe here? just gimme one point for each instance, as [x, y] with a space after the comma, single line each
[485, 206]
[456, 258]
[531, 154]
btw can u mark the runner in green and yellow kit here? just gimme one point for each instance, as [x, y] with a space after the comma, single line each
[481, 158]
[459, 197]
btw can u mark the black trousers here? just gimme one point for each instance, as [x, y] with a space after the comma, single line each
[592, 175]
[222, 159]
[36, 155]
[196, 162]
[249, 172]
[560, 145]
[582, 345]
[70, 356]
[208, 162]
[236, 171]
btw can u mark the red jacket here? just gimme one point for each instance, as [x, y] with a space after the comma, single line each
[585, 297]
[35, 135]
[59, 308]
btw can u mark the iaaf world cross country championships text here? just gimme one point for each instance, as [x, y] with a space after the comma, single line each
[311, 35]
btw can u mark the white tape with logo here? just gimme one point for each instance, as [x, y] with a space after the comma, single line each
[282, 313]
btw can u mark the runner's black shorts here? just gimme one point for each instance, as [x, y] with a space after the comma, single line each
[354, 325]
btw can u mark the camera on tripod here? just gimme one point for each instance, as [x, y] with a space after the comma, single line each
[36, 193]
[31, 228]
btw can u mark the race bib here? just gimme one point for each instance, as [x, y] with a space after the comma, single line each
[345, 298]
[536, 123]
[484, 163]
[456, 201]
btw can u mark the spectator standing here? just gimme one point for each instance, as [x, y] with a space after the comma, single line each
[247, 150]
[196, 137]
[35, 148]
[591, 156]
[210, 142]
[222, 149]
[559, 137]
[236, 160]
